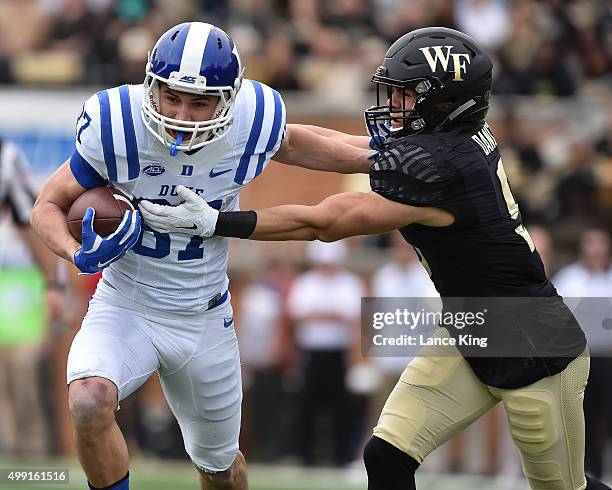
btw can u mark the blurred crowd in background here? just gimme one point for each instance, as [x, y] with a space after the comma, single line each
[551, 47]
[310, 396]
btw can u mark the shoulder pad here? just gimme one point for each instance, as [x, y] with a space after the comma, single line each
[106, 136]
[261, 120]
[407, 172]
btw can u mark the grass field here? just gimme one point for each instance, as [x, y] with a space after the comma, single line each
[149, 474]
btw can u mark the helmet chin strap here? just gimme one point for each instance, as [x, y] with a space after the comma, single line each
[179, 140]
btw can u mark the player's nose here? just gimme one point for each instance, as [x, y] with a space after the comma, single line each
[183, 113]
[396, 99]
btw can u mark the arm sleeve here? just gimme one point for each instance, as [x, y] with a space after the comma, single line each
[88, 159]
[20, 194]
[409, 174]
[262, 125]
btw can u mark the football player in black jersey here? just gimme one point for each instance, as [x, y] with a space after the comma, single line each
[439, 179]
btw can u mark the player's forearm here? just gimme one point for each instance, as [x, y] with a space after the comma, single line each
[49, 222]
[336, 217]
[350, 139]
[290, 222]
[332, 219]
[305, 148]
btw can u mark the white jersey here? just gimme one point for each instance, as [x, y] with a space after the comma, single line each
[174, 272]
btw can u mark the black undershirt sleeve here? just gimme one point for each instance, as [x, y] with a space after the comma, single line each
[238, 224]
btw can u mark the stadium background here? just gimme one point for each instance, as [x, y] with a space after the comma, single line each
[551, 114]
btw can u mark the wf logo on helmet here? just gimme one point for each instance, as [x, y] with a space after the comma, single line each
[439, 56]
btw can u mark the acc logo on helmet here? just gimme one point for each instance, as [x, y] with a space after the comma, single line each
[188, 79]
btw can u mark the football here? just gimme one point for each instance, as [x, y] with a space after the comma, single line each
[110, 206]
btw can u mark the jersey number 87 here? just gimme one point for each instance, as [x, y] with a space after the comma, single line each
[192, 251]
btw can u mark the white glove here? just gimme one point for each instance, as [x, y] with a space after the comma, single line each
[193, 217]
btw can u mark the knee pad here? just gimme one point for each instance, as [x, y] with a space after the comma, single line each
[388, 467]
[210, 459]
[532, 421]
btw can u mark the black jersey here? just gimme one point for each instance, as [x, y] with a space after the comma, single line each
[486, 252]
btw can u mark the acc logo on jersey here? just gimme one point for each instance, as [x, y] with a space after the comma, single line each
[154, 170]
[459, 65]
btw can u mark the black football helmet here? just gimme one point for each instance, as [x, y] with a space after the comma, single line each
[446, 69]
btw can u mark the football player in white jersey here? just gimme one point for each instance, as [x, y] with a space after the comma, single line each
[162, 304]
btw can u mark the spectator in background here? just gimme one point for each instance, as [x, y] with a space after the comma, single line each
[517, 136]
[17, 38]
[550, 48]
[133, 45]
[581, 282]
[577, 190]
[81, 44]
[280, 70]
[487, 21]
[24, 429]
[264, 351]
[550, 73]
[604, 143]
[324, 305]
[544, 245]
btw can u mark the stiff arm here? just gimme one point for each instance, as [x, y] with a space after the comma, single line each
[339, 216]
[317, 148]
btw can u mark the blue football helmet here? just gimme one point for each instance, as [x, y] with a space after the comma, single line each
[200, 59]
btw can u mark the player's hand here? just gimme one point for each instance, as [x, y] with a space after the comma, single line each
[192, 217]
[379, 131]
[97, 252]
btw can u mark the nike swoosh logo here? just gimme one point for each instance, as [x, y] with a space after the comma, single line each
[194, 227]
[227, 322]
[213, 174]
[104, 264]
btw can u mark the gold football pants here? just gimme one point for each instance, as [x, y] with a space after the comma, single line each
[438, 396]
